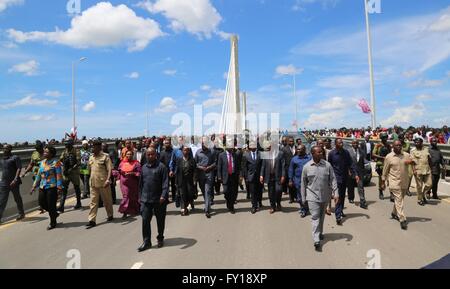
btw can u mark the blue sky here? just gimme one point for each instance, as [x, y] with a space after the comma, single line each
[176, 53]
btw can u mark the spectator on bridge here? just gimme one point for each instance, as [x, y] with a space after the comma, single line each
[100, 168]
[395, 173]
[342, 164]
[36, 157]
[129, 172]
[49, 180]
[318, 186]
[85, 154]
[128, 147]
[437, 166]
[421, 170]
[154, 191]
[295, 175]
[10, 181]
[71, 161]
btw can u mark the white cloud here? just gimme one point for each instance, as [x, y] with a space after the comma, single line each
[217, 93]
[102, 25]
[211, 102]
[29, 68]
[167, 104]
[288, 69]
[205, 87]
[423, 97]
[198, 17]
[170, 72]
[29, 100]
[442, 24]
[40, 117]
[326, 119]
[413, 46]
[53, 93]
[344, 81]
[132, 75]
[334, 103]
[299, 5]
[427, 83]
[4, 4]
[410, 73]
[194, 93]
[405, 115]
[90, 106]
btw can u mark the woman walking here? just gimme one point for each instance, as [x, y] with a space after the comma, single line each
[129, 172]
[50, 182]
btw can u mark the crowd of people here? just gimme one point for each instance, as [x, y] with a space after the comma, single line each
[153, 173]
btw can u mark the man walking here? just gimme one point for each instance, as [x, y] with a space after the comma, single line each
[10, 182]
[251, 168]
[100, 168]
[295, 175]
[379, 153]
[71, 161]
[318, 186]
[206, 160]
[273, 174]
[437, 164]
[289, 153]
[358, 157]
[228, 174]
[421, 170]
[85, 154]
[343, 167]
[154, 192]
[395, 173]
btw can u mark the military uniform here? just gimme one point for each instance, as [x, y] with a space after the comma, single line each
[422, 171]
[383, 151]
[71, 161]
[99, 167]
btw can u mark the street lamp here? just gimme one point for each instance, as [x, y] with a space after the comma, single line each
[372, 84]
[294, 73]
[74, 63]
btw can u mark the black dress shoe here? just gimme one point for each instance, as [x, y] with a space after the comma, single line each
[279, 207]
[260, 204]
[421, 203]
[339, 221]
[61, 210]
[343, 215]
[435, 198]
[51, 227]
[425, 201]
[20, 217]
[302, 214]
[395, 217]
[77, 206]
[232, 211]
[351, 201]
[253, 210]
[317, 247]
[160, 244]
[208, 215]
[110, 219]
[90, 225]
[381, 196]
[321, 237]
[144, 247]
[84, 197]
[403, 225]
[363, 205]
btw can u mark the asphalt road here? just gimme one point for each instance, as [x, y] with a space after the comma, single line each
[282, 240]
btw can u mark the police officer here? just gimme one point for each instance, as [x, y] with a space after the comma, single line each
[71, 160]
[380, 152]
[421, 169]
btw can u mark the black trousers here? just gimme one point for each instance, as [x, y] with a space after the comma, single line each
[147, 212]
[434, 187]
[292, 194]
[66, 184]
[173, 189]
[47, 201]
[275, 192]
[4, 195]
[230, 190]
[255, 193]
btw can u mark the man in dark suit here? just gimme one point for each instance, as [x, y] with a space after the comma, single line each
[218, 150]
[367, 147]
[273, 173]
[358, 157]
[288, 153]
[167, 157]
[228, 174]
[251, 168]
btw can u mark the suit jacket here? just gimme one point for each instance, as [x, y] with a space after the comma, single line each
[251, 169]
[358, 164]
[364, 149]
[288, 155]
[222, 167]
[280, 171]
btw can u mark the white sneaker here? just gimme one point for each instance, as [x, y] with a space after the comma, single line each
[189, 207]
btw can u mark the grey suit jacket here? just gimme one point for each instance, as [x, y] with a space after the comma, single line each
[358, 164]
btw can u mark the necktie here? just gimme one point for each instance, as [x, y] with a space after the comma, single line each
[230, 165]
[253, 155]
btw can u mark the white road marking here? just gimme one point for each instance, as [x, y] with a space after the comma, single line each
[137, 265]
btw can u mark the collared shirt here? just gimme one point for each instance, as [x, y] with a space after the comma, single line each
[318, 182]
[395, 171]
[49, 175]
[154, 183]
[99, 166]
[342, 164]
[296, 168]
[437, 161]
[205, 158]
[9, 165]
[420, 157]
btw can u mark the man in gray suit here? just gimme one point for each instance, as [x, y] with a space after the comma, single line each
[357, 155]
[318, 186]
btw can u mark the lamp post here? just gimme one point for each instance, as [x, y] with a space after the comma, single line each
[372, 84]
[74, 64]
